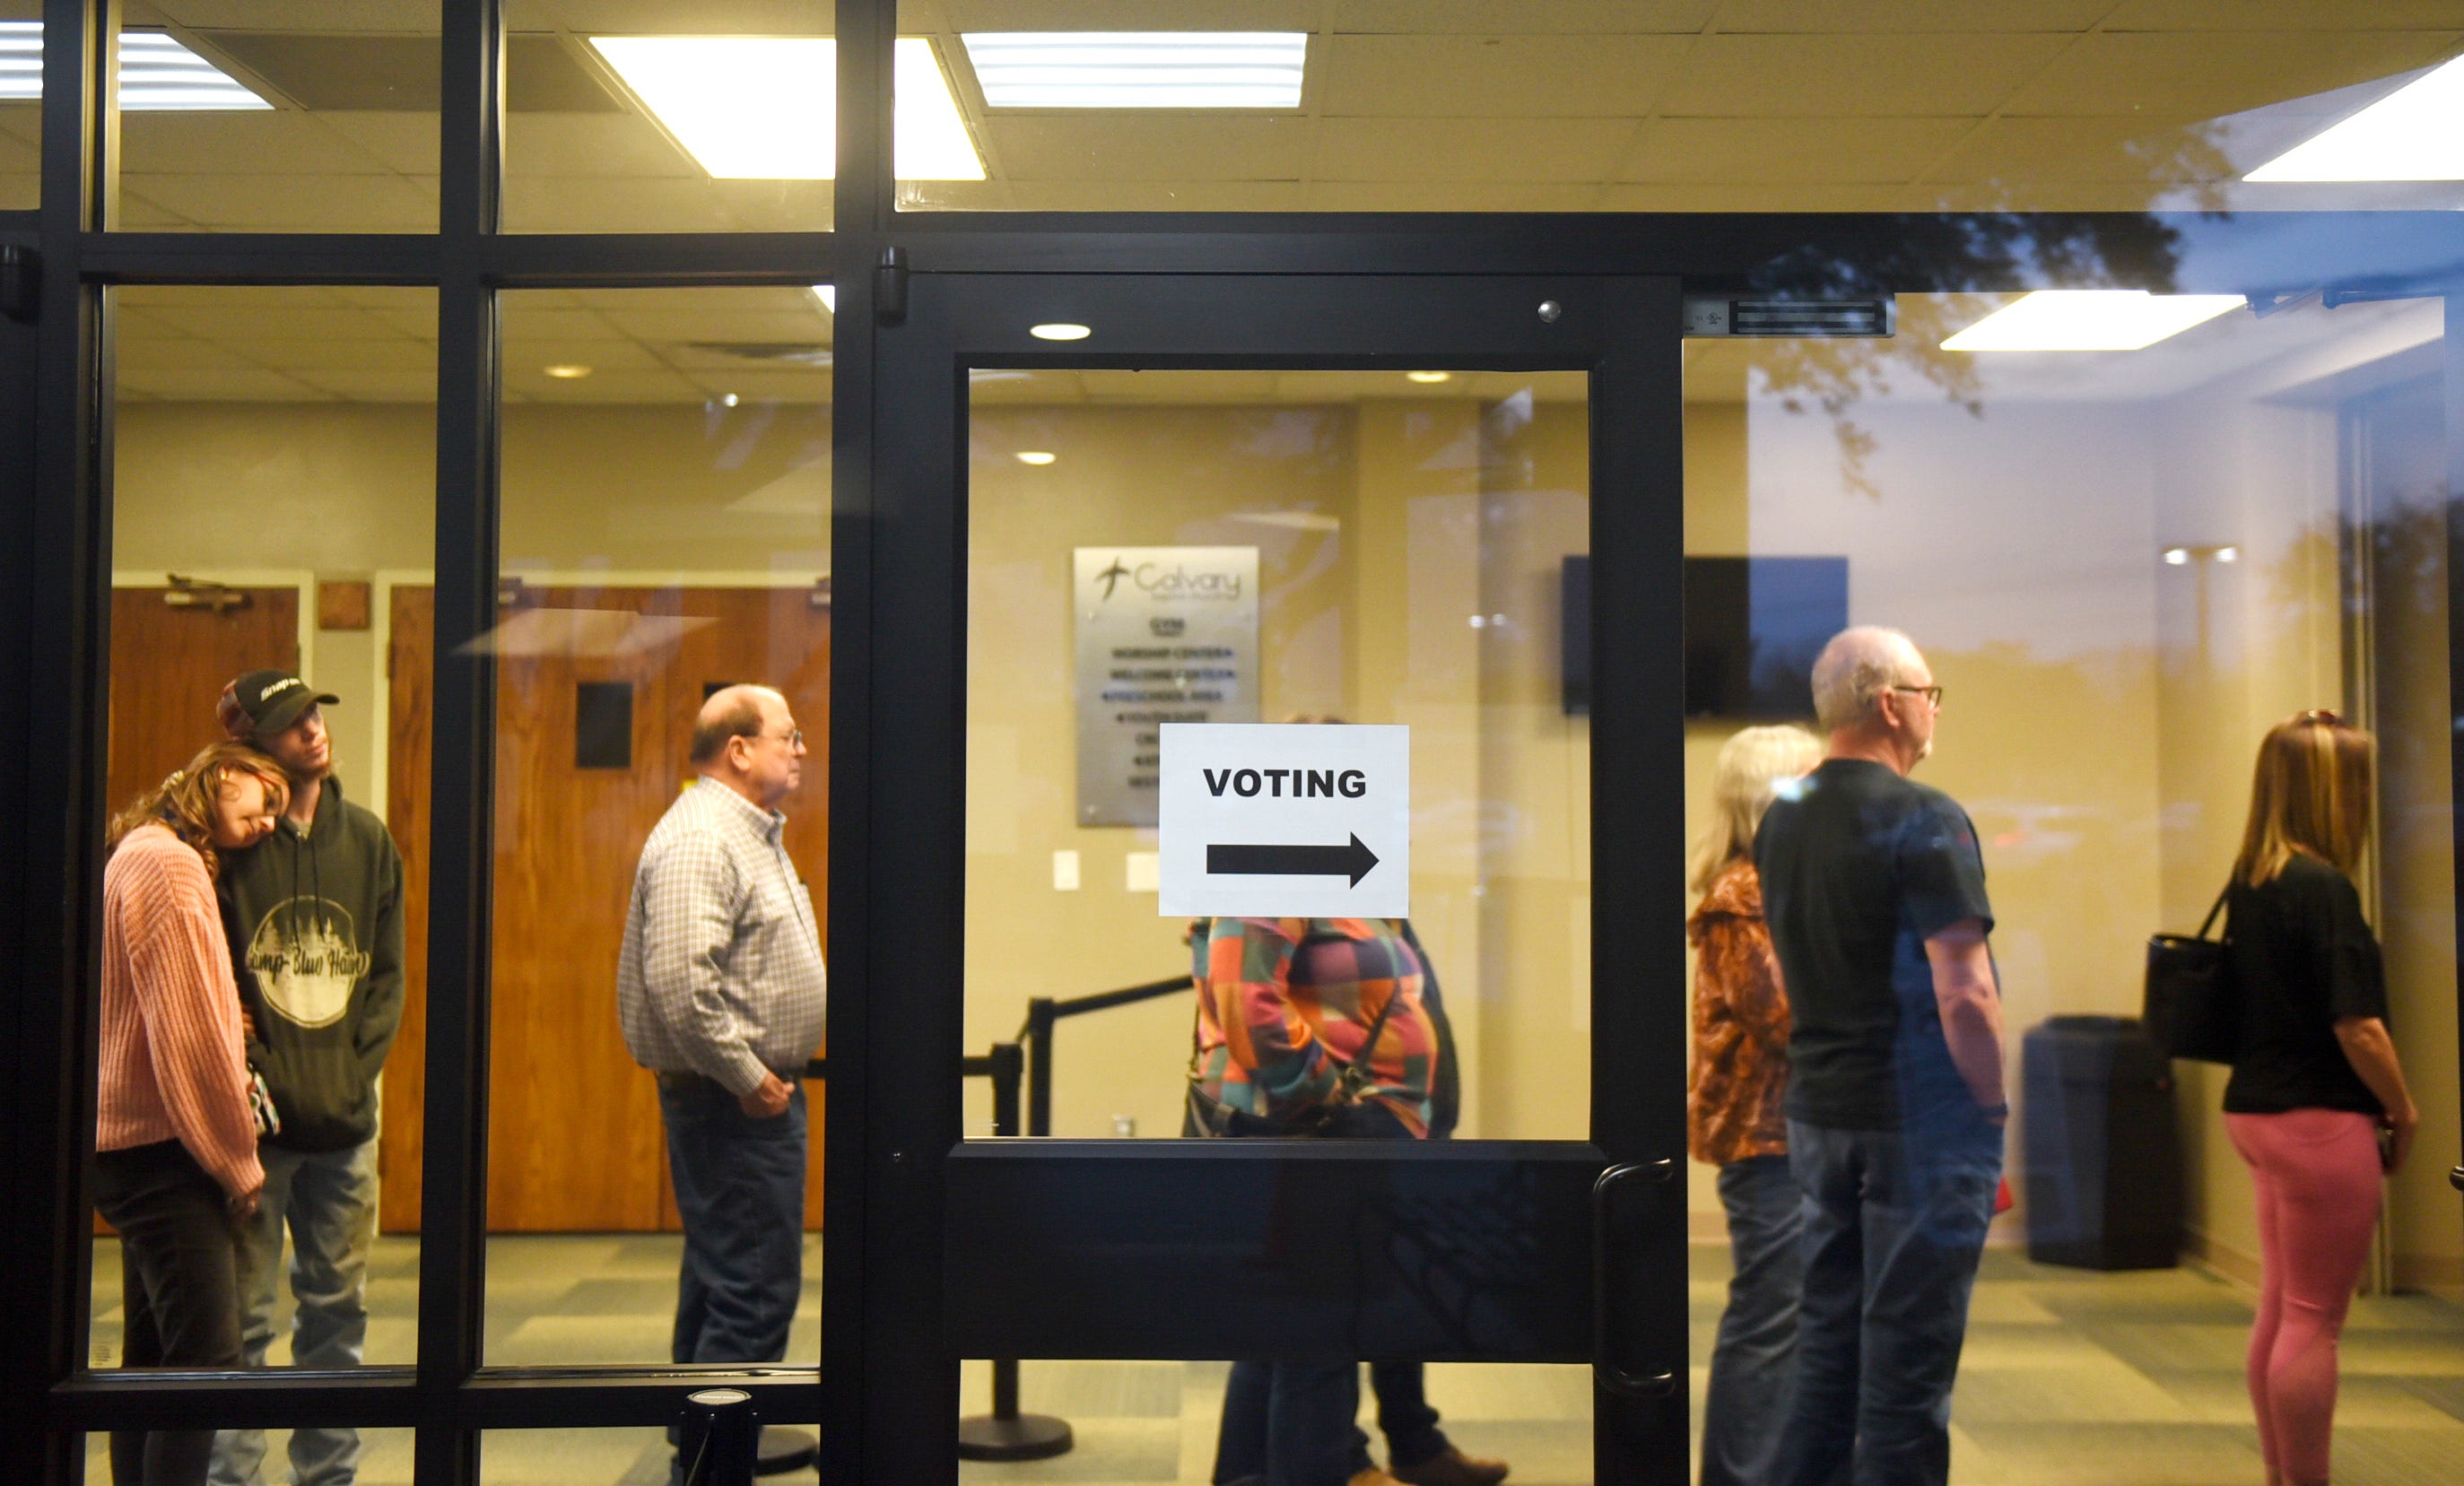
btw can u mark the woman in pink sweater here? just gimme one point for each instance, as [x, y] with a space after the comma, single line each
[175, 1140]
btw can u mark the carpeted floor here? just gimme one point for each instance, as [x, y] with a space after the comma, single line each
[2070, 1377]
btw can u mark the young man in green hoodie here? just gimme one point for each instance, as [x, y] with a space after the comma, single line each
[315, 918]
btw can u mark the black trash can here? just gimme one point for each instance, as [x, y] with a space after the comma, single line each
[2103, 1149]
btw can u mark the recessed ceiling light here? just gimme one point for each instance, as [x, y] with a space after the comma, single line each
[765, 108]
[157, 73]
[1059, 331]
[1429, 377]
[2089, 319]
[2177, 556]
[1139, 69]
[729, 400]
[829, 295]
[2228, 555]
[2416, 132]
[1036, 456]
[566, 371]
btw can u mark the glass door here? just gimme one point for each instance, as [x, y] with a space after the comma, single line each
[1444, 513]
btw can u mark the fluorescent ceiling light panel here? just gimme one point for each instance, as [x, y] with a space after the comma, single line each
[157, 74]
[2090, 320]
[828, 296]
[2416, 132]
[765, 108]
[1139, 69]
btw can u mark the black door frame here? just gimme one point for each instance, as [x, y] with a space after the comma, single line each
[55, 543]
[970, 1262]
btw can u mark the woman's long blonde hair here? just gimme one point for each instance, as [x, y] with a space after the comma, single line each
[2311, 794]
[184, 804]
[1751, 764]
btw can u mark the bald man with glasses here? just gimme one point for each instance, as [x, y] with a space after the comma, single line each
[1874, 891]
[720, 991]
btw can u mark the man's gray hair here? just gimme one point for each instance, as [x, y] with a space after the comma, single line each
[1855, 670]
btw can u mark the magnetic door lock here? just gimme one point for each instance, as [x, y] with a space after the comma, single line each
[1713, 316]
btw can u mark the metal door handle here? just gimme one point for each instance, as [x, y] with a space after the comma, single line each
[1613, 1377]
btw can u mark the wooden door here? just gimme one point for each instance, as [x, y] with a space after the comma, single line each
[168, 665]
[575, 1143]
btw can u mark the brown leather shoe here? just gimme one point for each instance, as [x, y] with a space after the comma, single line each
[1449, 1467]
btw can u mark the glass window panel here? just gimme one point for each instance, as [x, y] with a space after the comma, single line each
[2124, 567]
[259, 116]
[21, 104]
[385, 1454]
[1163, 1421]
[630, 117]
[1408, 536]
[274, 475]
[1687, 105]
[666, 534]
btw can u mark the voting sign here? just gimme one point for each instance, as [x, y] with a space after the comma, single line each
[1285, 821]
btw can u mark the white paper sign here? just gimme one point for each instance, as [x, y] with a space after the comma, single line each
[1285, 821]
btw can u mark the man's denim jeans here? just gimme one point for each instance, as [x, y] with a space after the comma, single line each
[328, 1201]
[1753, 1364]
[1894, 1225]
[741, 1191]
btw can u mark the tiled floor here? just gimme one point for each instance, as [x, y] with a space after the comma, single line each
[2070, 1379]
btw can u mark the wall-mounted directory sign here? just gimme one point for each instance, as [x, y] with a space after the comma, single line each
[1287, 820]
[1165, 635]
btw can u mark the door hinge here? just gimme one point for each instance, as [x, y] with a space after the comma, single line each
[890, 287]
[21, 279]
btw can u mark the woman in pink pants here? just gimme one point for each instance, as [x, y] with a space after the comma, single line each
[2317, 1103]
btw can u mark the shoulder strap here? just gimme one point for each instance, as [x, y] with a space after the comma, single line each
[2210, 921]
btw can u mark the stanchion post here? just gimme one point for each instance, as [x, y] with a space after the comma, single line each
[1041, 1020]
[718, 1440]
[1006, 1434]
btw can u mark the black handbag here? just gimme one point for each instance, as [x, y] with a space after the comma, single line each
[2193, 1004]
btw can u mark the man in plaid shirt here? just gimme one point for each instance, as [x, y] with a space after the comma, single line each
[720, 991]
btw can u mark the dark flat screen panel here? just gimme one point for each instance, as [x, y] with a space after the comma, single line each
[1753, 626]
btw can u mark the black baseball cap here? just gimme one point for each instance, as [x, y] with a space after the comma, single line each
[269, 701]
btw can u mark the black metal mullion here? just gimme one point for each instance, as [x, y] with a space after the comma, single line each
[1638, 789]
[453, 1218]
[66, 655]
[2454, 348]
[866, 189]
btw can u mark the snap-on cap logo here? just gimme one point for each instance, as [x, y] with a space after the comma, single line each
[284, 685]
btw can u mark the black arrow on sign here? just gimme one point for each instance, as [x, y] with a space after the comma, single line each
[1354, 861]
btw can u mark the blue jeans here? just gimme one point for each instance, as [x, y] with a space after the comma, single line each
[327, 1200]
[741, 1189]
[1894, 1226]
[1753, 1364]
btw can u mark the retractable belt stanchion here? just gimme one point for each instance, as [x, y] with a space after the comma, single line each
[718, 1438]
[1006, 1434]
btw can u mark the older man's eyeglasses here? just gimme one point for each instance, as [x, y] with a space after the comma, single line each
[793, 738]
[1931, 694]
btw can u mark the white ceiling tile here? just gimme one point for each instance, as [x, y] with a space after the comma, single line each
[671, 17]
[373, 385]
[2025, 152]
[2176, 78]
[618, 386]
[1707, 196]
[279, 142]
[2282, 15]
[665, 205]
[1752, 151]
[592, 145]
[286, 204]
[145, 353]
[1468, 150]
[1158, 196]
[545, 324]
[1825, 16]
[224, 386]
[239, 323]
[1122, 16]
[1225, 387]
[1495, 76]
[397, 355]
[403, 143]
[22, 122]
[759, 385]
[139, 213]
[798, 326]
[1847, 76]
[277, 299]
[1507, 17]
[414, 16]
[600, 355]
[1453, 196]
[1142, 146]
